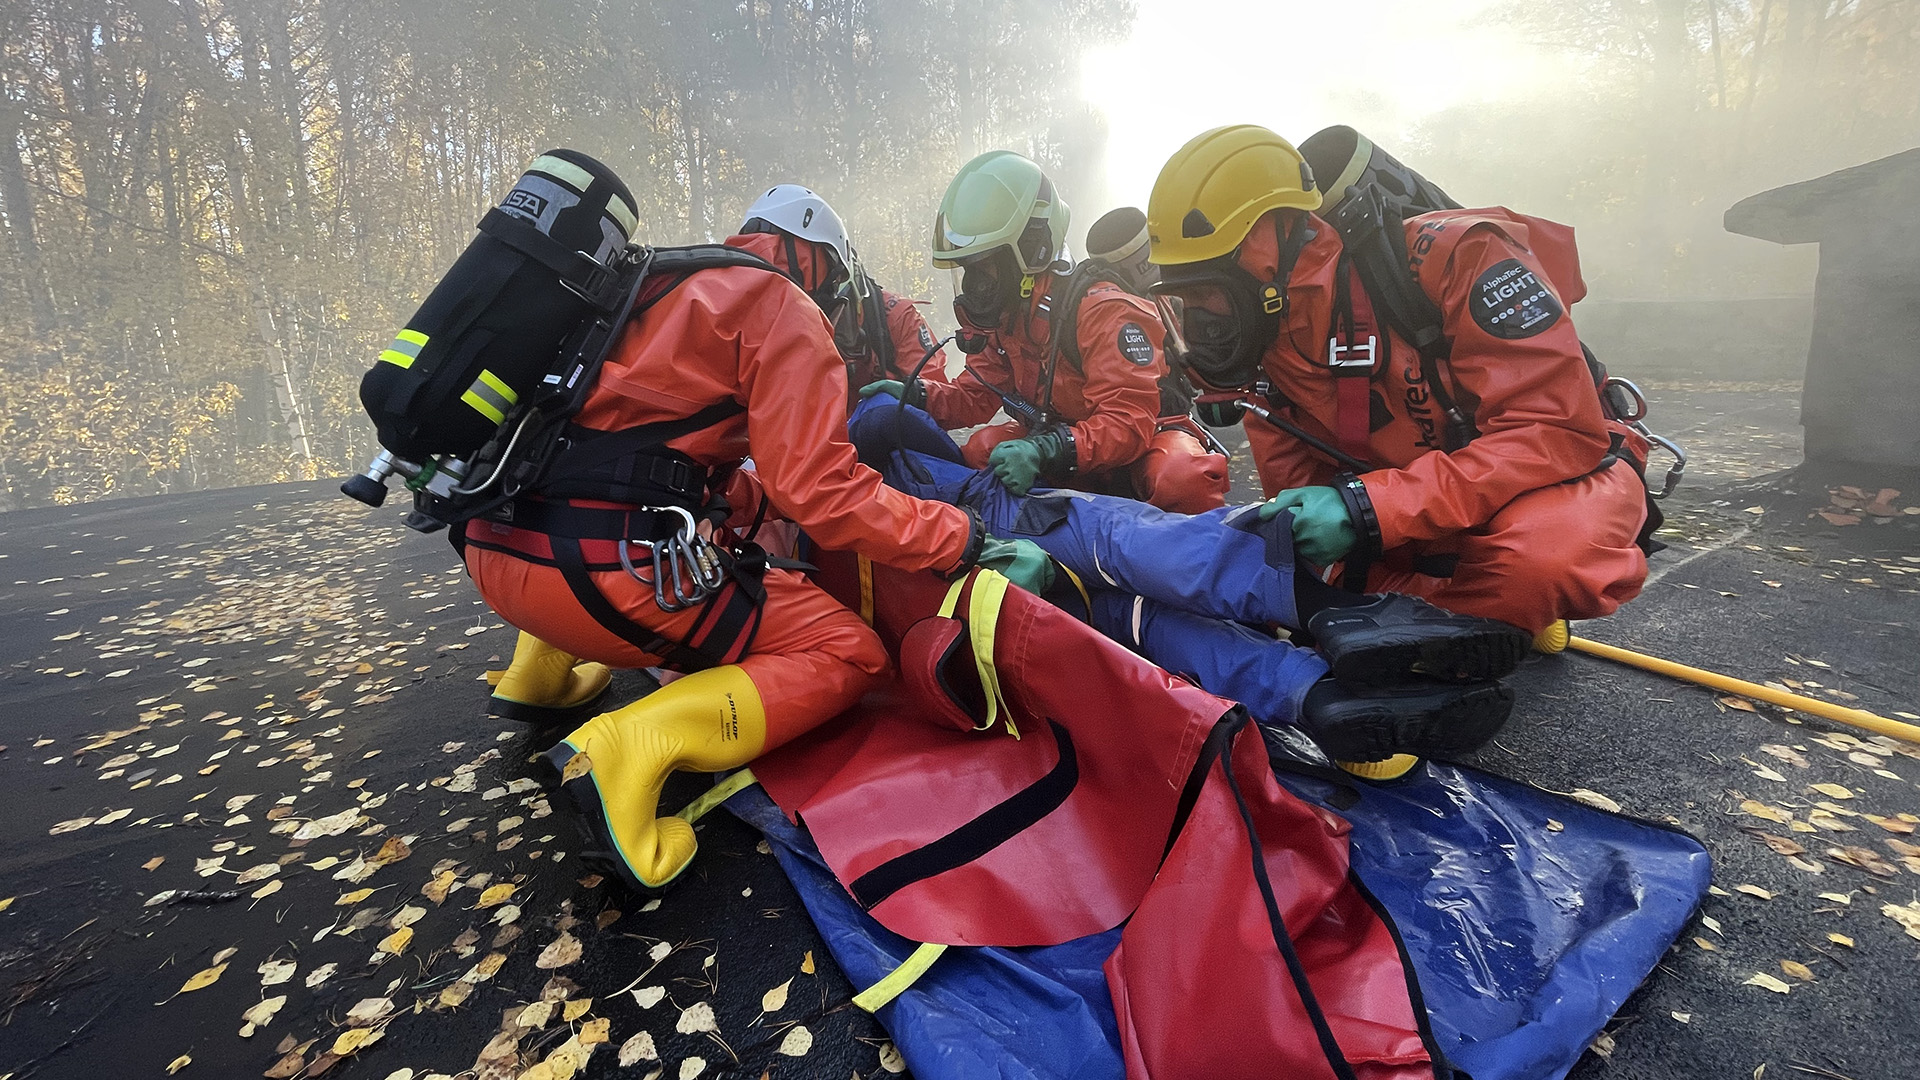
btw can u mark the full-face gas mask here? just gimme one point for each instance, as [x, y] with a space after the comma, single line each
[985, 288]
[1220, 318]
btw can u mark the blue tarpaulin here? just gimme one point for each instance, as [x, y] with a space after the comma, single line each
[1525, 940]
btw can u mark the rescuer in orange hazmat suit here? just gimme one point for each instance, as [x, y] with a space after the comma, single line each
[1086, 400]
[880, 334]
[597, 569]
[1490, 483]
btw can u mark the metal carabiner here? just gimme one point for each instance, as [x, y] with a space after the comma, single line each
[1679, 460]
[673, 557]
[1625, 398]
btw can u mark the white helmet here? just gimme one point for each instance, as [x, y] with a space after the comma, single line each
[797, 210]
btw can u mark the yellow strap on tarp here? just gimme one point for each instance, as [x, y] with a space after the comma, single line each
[717, 794]
[983, 615]
[896, 981]
[1078, 585]
[866, 588]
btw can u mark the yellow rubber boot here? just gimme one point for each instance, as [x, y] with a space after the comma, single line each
[546, 687]
[615, 764]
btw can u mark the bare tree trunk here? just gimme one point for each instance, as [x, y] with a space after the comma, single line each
[286, 392]
[17, 202]
[690, 117]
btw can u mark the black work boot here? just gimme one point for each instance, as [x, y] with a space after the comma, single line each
[1395, 637]
[1426, 719]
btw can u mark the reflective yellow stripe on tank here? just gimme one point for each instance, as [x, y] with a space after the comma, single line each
[564, 171]
[490, 397]
[405, 348]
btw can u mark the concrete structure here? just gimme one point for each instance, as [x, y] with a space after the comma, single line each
[1862, 384]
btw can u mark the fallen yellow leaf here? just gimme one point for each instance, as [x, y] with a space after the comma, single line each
[202, 979]
[1907, 915]
[1767, 982]
[352, 898]
[397, 942]
[496, 895]
[595, 1031]
[1797, 969]
[1595, 800]
[535, 1016]
[1753, 890]
[1767, 813]
[1840, 939]
[806, 963]
[437, 889]
[797, 1042]
[565, 950]
[575, 1009]
[178, 1063]
[1705, 944]
[775, 999]
[7, 903]
[577, 766]
[1831, 791]
[353, 1039]
[485, 969]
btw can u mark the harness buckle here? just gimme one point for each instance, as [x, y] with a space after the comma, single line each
[1361, 355]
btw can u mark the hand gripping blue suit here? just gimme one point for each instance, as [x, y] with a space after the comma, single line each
[1186, 592]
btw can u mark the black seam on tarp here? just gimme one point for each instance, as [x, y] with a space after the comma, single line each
[1329, 1046]
[1000, 823]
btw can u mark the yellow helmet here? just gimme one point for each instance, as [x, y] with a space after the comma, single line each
[1212, 190]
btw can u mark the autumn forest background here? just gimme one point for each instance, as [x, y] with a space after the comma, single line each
[216, 212]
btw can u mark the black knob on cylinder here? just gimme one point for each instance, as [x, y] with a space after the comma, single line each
[365, 489]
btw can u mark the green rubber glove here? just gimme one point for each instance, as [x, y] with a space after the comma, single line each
[1323, 532]
[1019, 462]
[1021, 560]
[893, 388]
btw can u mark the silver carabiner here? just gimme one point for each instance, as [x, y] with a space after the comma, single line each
[1679, 460]
[674, 558]
[1625, 398]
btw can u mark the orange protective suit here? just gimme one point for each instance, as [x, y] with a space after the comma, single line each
[1111, 399]
[908, 336]
[1539, 509]
[745, 336]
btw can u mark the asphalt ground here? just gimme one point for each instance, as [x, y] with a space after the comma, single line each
[267, 701]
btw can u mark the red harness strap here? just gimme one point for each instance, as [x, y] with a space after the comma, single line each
[1353, 362]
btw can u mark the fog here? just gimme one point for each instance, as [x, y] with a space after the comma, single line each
[216, 212]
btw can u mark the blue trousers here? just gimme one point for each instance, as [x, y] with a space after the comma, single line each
[1194, 594]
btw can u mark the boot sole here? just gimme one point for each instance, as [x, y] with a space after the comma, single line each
[1463, 723]
[1450, 656]
[546, 716]
[597, 847]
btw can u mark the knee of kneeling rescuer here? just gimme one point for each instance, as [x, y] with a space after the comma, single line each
[1180, 475]
[980, 444]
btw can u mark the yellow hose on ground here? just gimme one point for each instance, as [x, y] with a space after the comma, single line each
[1557, 638]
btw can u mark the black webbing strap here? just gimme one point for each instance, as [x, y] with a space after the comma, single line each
[1329, 1046]
[573, 567]
[592, 279]
[1000, 823]
[589, 449]
[590, 523]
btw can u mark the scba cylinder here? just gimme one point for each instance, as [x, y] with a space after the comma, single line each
[494, 324]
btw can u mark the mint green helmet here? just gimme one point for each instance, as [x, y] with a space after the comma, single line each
[1001, 200]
